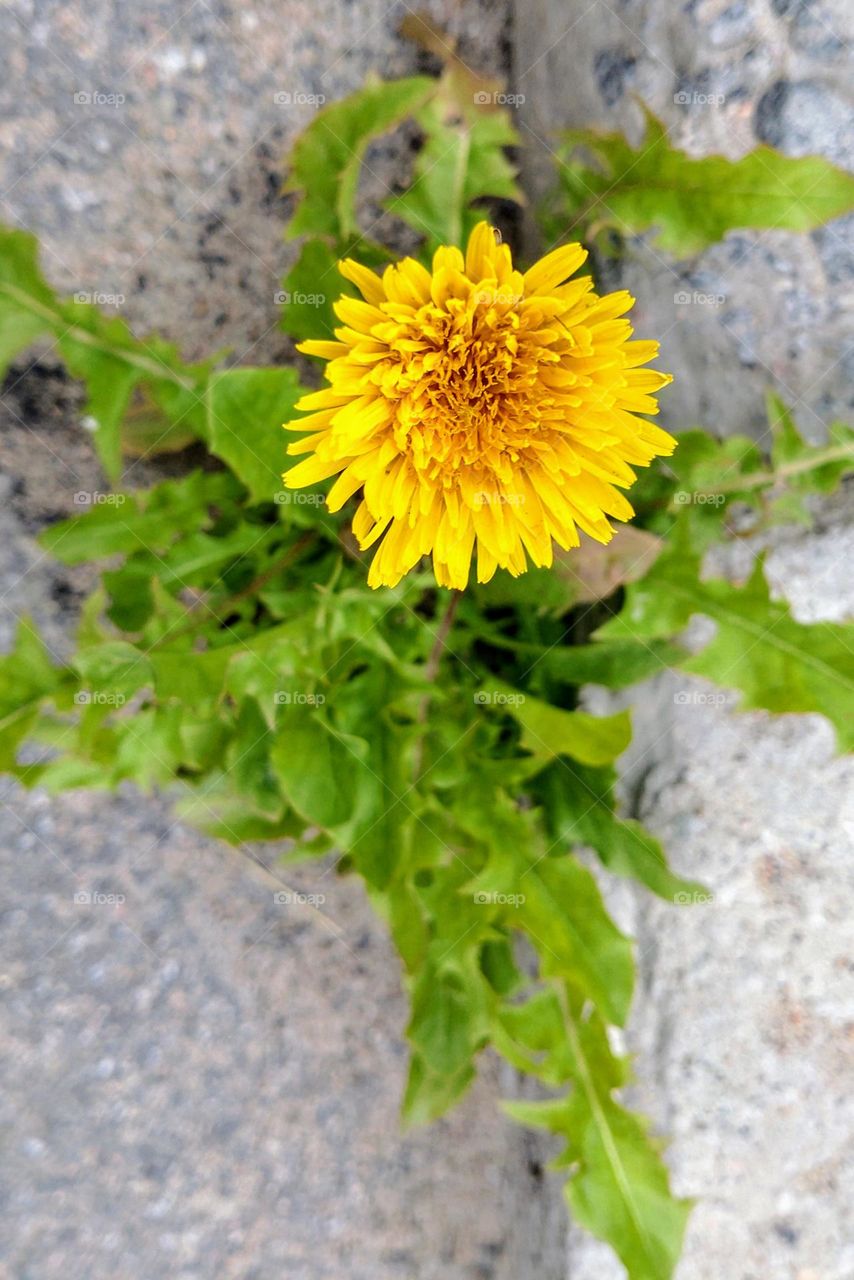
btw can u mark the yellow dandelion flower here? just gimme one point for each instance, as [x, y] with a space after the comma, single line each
[479, 407]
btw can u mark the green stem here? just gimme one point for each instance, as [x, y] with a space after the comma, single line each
[431, 670]
[763, 479]
[142, 362]
[283, 562]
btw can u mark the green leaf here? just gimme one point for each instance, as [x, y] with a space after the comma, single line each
[553, 899]
[24, 296]
[114, 668]
[27, 677]
[248, 761]
[549, 731]
[445, 1004]
[147, 520]
[219, 809]
[711, 474]
[314, 765]
[801, 467]
[566, 919]
[430, 1094]
[779, 664]
[618, 1187]
[463, 159]
[612, 663]
[327, 156]
[98, 349]
[691, 203]
[311, 286]
[245, 412]
[579, 807]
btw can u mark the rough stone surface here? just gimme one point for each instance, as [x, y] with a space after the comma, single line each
[742, 1024]
[200, 1080]
[145, 145]
[770, 308]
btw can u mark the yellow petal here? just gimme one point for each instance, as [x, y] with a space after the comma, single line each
[480, 252]
[554, 268]
[367, 282]
[311, 471]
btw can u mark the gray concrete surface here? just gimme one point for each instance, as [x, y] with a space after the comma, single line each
[201, 1083]
[742, 1026]
[743, 1021]
[768, 307]
[145, 145]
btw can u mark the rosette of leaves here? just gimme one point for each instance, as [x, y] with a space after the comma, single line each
[233, 654]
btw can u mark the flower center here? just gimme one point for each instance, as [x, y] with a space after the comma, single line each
[464, 378]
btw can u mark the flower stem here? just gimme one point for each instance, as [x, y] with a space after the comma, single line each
[431, 671]
[431, 668]
[800, 466]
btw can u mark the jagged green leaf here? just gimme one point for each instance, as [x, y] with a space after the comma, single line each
[99, 349]
[688, 202]
[618, 1185]
[313, 765]
[245, 412]
[580, 809]
[463, 159]
[779, 664]
[549, 731]
[527, 886]
[148, 519]
[612, 663]
[310, 288]
[28, 675]
[326, 158]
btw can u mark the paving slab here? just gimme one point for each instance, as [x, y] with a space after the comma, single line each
[200, 1080]
[742, 1024]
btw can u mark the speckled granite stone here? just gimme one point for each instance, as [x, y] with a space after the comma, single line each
[742, 1023]
[145, 144]
[761, 308]
[198, 1081]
